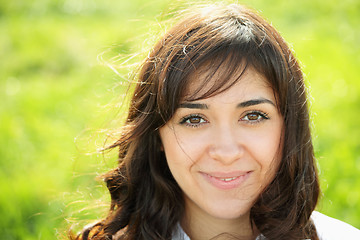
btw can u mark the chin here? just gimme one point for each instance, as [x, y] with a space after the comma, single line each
[229, 212]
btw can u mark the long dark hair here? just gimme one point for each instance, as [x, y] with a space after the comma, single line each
[146, 201]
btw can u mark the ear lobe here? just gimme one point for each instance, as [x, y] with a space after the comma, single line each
[159, 142]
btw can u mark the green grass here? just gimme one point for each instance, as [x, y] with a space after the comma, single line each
[53, 90]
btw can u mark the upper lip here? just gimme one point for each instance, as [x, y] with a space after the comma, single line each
[227, 174]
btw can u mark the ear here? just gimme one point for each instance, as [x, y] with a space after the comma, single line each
[159, 141]
[161, 147]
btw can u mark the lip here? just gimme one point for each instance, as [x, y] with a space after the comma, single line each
[226, 180]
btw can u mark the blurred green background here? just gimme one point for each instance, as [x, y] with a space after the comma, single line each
[54, 88]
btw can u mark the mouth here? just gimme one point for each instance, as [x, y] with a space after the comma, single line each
[226, 181]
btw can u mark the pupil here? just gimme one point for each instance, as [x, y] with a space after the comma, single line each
[253, 116]
[195, 120]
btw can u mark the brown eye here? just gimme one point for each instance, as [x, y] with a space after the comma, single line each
[253, 116]
[194, 120]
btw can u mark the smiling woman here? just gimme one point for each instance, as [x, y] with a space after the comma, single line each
[223, 151]
[217, 143]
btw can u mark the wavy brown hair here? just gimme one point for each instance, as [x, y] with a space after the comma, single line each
[146, 201]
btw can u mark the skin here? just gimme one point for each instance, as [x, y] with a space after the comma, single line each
[223, 151]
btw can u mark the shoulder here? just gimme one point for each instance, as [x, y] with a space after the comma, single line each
[332, 229]
[179, 234]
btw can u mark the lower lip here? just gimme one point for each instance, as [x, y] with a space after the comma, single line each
[226, 185]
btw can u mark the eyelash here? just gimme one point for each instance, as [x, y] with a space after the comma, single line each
[184, 120]
[260, 114]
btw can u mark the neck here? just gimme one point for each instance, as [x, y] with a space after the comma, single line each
[199, 227]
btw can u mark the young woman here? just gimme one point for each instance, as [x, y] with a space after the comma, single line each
[217, 143]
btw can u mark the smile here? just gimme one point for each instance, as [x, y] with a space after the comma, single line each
[226, 181]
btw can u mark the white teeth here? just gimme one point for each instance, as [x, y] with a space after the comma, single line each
[227, 179]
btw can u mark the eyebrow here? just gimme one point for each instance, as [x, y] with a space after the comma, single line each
[255, 102]
[194, 105]
[248, 103]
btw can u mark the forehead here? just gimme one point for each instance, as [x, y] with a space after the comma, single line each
[207, 81]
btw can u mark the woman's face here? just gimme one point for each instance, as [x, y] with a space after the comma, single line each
[225, 149]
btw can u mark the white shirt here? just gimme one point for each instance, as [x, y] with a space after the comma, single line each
[327, 228]
[332, 229]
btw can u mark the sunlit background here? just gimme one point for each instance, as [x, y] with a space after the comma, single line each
[55, 91]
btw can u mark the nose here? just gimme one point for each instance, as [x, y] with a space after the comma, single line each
[227, 146]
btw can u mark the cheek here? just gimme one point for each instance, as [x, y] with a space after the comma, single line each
[184, 146]
[266, 148]
[179, 157]
[180, 151]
